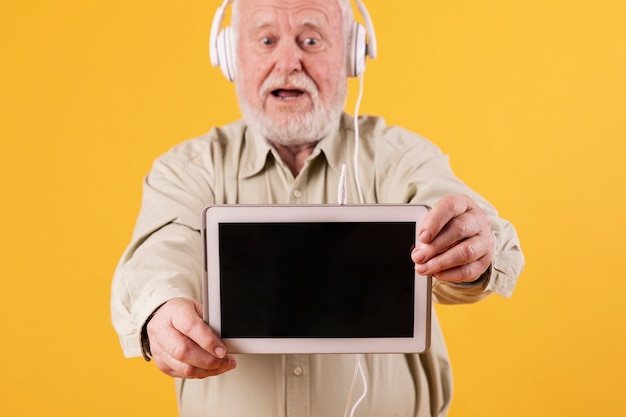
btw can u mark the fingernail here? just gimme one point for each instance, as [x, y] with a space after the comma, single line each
[418, 255]
[220, 352]
[425, 236]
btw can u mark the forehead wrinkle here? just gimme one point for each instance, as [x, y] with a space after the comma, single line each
[307, 23]
[303, 16]
[262, 24]
[311, 23]
[306, 16]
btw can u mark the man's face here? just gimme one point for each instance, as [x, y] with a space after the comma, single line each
[291, 72]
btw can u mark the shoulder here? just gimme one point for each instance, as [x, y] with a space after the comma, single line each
[199, 149]
[392, 139]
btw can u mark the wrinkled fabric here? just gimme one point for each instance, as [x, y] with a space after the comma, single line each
[234, 165]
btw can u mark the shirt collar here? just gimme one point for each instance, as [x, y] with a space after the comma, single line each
[255, 153]
[334, 147]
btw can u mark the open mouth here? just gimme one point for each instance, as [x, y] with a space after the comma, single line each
[286, 94]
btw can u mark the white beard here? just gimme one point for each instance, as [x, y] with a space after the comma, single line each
[297, 128]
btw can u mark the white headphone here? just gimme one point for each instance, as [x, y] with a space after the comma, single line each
[222, 52]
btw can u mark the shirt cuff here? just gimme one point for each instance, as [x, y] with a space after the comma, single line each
[482, 280]
[145, 340]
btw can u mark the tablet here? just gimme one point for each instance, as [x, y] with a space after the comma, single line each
[315, 278]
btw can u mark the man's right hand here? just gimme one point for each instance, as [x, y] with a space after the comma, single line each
[183, 345]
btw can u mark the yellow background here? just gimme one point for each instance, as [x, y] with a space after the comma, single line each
[528, 98]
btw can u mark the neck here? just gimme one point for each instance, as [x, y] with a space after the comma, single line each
[295, 155]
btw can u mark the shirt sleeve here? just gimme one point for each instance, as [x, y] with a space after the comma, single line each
[163, 259]
[416, 171]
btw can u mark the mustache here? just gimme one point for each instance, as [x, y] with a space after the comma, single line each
[299, 81]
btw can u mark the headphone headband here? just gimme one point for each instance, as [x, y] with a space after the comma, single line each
[215, 27]
[363, 43]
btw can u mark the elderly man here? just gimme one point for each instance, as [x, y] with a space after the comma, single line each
[291, 80]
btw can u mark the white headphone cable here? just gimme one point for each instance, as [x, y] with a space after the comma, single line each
[358, 369]
[357, 139]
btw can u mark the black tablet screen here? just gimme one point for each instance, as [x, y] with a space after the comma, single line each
[322, 280]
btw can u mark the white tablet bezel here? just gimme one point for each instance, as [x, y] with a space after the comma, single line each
[213, 215]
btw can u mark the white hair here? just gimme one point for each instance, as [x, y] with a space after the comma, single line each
[346, 19]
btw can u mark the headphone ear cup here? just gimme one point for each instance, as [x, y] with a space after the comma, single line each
[225, 53]
[358, 50]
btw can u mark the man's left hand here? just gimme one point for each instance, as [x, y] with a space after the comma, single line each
[455, 241]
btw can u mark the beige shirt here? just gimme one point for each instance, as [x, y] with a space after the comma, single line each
[233, 165]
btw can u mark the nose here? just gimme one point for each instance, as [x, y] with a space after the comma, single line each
[288, 58]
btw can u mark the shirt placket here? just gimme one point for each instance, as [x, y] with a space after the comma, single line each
[298, 386]
[298, 192]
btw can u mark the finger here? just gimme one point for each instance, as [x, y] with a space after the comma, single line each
[442, 212]
[184, 349]
[463, 253]
[199, 332]
[177, 355]
[179, 369]
[455, 231]
[172, 331]
[464, 273]
[458, 229]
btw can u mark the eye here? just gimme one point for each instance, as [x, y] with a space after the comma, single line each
[267, 41]
[310, 42]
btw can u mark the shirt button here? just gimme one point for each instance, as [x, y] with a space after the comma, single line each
[297, 193]
[297, 371]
